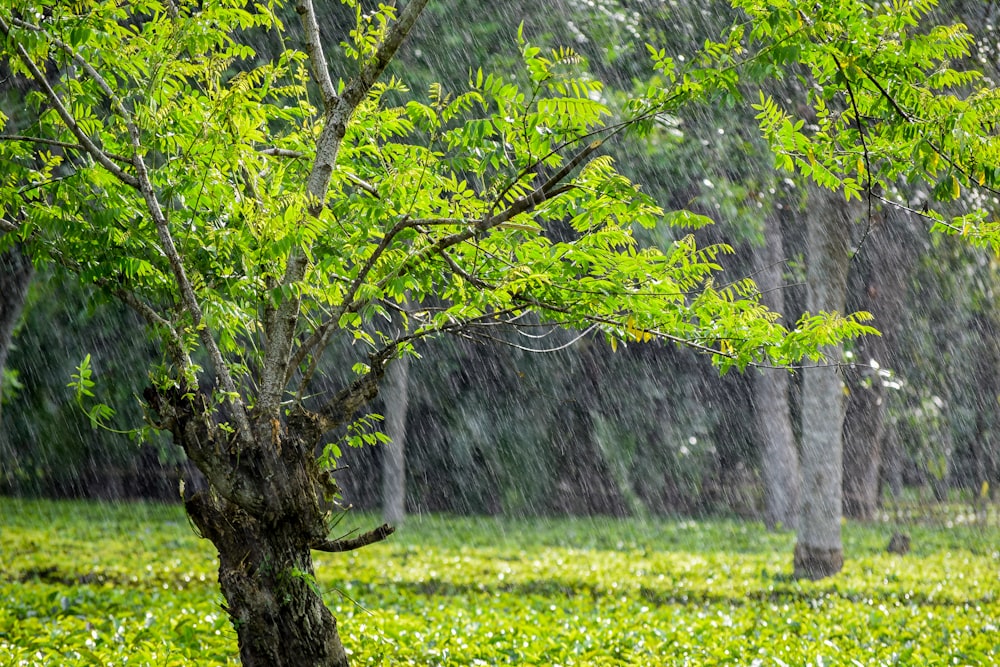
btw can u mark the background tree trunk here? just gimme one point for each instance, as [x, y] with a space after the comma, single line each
[395, 393]
[819, 551]
[779, 457]
[879, 278]
[15, 275]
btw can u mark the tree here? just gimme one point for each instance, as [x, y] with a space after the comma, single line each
[249, 228]
[882, 270]
[396, 396]
[818, 550]
[887, 104]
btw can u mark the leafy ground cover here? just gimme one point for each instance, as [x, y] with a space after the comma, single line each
[92, 584]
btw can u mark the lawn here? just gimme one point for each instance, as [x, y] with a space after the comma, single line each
[92, 584]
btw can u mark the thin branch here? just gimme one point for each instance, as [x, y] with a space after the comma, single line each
[314, 49]
[550, 189]
[889, 98]
[957, 167]
[469, 278]
[607, 321]
[864, 148]
[174, 343]
[321, 336]
[61, 144]
[364, 185]
[549, 350]
[352, 543]
[356, 90]
[342, 406]
[922, 214]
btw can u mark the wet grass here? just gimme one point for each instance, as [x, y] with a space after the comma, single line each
[86, 584]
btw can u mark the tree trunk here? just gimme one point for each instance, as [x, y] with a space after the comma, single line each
[15, 275]
[265, 511]
[779, 457]
[819, 551]
[267, 578]
[396, 395]
[881, 273]
[864, 432]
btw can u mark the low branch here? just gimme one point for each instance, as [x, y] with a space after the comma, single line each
[352, 543]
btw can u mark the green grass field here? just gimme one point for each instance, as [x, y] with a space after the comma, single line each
[91, 584]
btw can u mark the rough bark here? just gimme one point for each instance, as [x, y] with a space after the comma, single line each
[265, 562]
[397, 402]
[779, 456]
[819, 552]
[267, 578]
[15, 275]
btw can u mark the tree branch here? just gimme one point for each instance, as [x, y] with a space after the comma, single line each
[551, 188]
[352, 543]
[356, 90]
[314, 49]
[8, 226]
[173, 342]
[143, 183]
[281, 152]
[61, 144]
[280, 323]
[102, 158]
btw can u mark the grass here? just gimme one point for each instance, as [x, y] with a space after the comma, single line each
[91, 584]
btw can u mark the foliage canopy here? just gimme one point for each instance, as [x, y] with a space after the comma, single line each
[166, 164]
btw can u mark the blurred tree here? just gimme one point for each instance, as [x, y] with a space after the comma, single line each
[882, 269]
[818, 550]
[779, 457]
[396, 396]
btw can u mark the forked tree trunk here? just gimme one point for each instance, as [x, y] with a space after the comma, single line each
[267, 578]
[265, 512]
[819, 551]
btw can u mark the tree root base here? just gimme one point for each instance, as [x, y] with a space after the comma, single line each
[816, 562]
